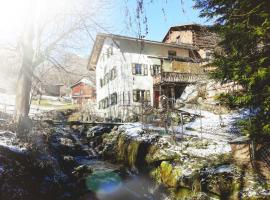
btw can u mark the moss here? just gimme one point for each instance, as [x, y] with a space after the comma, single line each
[121, 148]
[169, 174]
[155, 174]
[75, 117]
[132, 153]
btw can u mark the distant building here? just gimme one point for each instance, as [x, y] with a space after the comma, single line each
[83, 91]
[132, 72]
[51, 89]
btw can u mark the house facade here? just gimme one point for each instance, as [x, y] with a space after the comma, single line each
[83, 91]
[131, 73]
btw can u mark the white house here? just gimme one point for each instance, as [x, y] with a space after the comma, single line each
[131, 71]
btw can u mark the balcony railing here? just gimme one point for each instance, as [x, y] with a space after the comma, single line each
[176, 77]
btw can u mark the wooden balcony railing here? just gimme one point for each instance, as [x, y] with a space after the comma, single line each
[176, 77]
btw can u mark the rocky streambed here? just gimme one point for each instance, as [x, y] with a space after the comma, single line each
[126, 162]
[189, 167]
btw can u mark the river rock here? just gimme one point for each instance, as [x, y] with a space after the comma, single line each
[82, 170]
[97, 131]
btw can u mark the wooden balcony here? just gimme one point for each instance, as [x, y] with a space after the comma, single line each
[176, 77]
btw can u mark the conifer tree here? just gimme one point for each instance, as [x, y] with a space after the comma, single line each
[244, 28]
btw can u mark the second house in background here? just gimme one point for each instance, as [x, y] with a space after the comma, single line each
[83, 91]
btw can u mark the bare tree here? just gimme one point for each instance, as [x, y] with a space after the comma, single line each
[51, 29]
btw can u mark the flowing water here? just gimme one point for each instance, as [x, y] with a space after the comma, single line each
[112, 182]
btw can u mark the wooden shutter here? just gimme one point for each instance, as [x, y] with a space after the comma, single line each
[101, 85]
[133, 69]
[135, 99]
[151, 70]
[148, 95]
[145, 70]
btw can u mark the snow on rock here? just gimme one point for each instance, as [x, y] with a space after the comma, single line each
[212, 149]
[8, 140]
[132, 129]
[136, 131]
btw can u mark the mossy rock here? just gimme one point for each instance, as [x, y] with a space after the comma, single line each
[122, 145]
[219, 184]
[132, 153]
[169, 174]
[156, 154]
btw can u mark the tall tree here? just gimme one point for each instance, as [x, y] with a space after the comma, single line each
[49, 30]
[244, 28]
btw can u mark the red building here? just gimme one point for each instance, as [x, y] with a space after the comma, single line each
[83, 91]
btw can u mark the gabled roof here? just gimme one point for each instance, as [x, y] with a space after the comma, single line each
[100, 38]
[83, 80]
[185, 27]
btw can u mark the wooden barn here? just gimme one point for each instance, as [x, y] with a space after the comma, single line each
[83, 91]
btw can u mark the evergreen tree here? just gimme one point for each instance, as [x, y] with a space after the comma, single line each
[244, 28]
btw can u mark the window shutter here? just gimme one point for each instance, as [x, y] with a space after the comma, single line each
[145, 70]
[151, 70]
[101, 83]
[135, 96]
[128, 97]
[114, 72]
[133, 69]
[147, 95]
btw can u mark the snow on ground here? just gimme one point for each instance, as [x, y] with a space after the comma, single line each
[214, 127]
[216, 133]
[7, 104]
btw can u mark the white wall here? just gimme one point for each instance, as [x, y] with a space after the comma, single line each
[126, 53]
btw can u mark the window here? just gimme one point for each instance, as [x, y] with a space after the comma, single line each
[113, 73]
[136, 95]
[141, 95]
[101, 82]
[100, 104]
[155, 69]
[139, 69]
[114, 99]
[106, 78]
[109, 51]
[171, 53]
[106, 102]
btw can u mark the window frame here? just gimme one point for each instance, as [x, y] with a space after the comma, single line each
[113, 98]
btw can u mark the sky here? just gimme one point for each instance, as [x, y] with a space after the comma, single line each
[159, 21]
[161, 15]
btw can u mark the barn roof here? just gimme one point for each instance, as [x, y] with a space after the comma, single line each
[83, 80]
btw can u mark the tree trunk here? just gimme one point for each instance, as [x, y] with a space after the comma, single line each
[24, 84]
[23, 91]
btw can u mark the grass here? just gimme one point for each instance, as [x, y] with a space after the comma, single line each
[50, 103]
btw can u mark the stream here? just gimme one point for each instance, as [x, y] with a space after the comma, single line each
[109, 181]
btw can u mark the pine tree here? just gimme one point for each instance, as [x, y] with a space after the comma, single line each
[244, 28]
